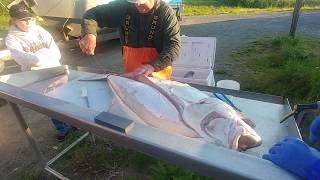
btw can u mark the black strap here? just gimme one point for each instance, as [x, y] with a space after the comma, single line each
[126, 28]
[153, 27]
[152, 30]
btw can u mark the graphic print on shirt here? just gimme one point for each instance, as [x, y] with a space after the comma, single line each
[36, 45]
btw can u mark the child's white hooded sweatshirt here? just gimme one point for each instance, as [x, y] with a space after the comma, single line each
[34, 49]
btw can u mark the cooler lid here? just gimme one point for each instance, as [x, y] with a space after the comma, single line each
[197, 52]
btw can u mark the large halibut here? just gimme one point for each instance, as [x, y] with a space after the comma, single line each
[182, 109]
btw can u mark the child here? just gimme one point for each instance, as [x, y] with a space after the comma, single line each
[33, 48]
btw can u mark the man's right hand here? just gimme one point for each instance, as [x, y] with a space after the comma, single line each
[88, 44]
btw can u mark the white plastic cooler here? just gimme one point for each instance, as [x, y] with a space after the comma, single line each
[196, 61]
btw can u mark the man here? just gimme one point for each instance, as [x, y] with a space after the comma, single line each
[32, 47]
[297, 157]
[149, 34]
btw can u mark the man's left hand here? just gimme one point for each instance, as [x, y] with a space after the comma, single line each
[145, 69]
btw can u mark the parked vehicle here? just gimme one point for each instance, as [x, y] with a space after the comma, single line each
[66, 14]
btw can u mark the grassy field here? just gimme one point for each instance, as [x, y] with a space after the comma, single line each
[216, 7]
[250, 3]
[191, 10]
[282, 66]
[288, 67]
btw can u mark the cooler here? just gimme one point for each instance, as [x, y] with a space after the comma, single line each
[196, 61]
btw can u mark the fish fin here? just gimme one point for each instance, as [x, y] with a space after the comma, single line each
[246, 119]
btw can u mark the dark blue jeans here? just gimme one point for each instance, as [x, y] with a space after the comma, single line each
[61, 127]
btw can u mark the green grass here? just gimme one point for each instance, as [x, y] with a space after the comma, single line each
[282, 66]
[105, 159]
[4, 22]
[191, 10]
[250, 3]
[164, 171]
[4, 16]
[216, 7]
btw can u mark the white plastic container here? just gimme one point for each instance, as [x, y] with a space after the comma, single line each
[228, 84]
[196, 61]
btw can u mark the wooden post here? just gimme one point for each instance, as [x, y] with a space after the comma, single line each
[295, 17]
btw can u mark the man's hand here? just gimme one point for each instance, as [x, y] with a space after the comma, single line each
[314, 136]
[88, 44]
[145, 69]
[293, 155]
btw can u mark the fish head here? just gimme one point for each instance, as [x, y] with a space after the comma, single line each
[221, 125]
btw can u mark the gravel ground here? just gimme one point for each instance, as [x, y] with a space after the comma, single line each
[232, 32]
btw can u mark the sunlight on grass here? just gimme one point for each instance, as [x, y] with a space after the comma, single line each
[4, 23]
[191, 10]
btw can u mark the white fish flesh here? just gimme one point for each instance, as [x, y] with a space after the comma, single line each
[180, 108]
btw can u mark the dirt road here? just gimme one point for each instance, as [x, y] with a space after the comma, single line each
[232, 32]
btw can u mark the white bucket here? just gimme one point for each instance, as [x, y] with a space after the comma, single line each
[228, 84]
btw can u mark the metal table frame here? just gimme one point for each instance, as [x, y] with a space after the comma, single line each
[57, 109]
